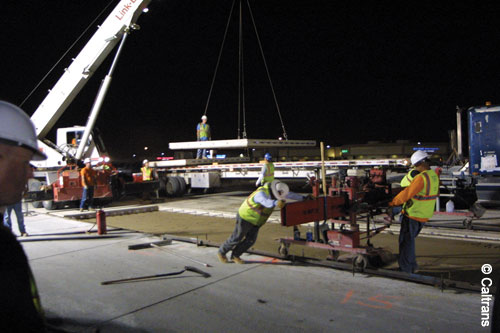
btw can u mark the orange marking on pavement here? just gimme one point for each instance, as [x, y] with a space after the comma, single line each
[347, 296]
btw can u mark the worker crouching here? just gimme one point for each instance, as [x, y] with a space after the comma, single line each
[252, 214]
[418, 200]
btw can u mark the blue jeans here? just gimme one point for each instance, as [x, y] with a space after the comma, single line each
[18, 209]
[409, 231]
[242, 238]
[202, 152]
[87, 197]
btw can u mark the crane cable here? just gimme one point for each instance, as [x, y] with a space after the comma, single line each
[241, 79]
[219, 57]
[285, 136]
[65, 53]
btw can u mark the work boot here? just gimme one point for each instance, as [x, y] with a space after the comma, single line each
[24, 234]
[222, 258]
[81, 210]
[238, 260]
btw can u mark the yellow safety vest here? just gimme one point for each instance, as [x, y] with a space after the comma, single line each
[269, 175]
[423, 203]
[204, 131]
[254, 212]
[406, 181]
[146, 173]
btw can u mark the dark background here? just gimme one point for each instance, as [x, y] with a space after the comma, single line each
[343, 71]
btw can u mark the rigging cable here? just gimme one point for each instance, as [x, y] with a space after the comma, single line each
[65, 53]
[241, 79]
[285, 136]
[218, 58]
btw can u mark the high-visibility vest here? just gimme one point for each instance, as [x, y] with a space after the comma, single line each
[269, 175]
[204, 130]
[423, 203]
[254, 212]
[146, 173]
[406, 181]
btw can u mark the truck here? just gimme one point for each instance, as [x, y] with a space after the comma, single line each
[476, 177]
[56, 181]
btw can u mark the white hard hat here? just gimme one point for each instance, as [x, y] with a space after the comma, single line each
[87, 160]
[17, 129]
[204, 117]
[144, 162]
[280, 190]
[418, 156]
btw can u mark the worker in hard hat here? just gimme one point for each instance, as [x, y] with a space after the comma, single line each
[21, 310]
[89, 180]
[203, 134]
[267, 171]
[418, 201]
[252, 214]
[147, 172]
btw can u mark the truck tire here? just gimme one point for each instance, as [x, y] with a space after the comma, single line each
[37, 204]
[49, 204]
[172, 186]
[182, 186]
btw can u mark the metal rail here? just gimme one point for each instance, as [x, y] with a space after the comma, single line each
[438, 282]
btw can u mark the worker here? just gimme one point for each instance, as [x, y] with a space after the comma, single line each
[146, 171]
[18, 210]
[418, 200]
[203, 134]
[21, 310]
[267, 171]
[252, 214]
[89, 181]
[405, 182]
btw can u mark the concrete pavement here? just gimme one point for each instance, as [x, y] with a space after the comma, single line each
[260, 296]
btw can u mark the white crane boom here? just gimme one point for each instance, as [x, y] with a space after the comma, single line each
[121, 19]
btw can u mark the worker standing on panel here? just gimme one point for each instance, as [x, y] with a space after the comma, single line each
[203, 134]
[147, 172]
[89, 181]
[21, 310]
[418, 200]
[252, 214]
[267, 171]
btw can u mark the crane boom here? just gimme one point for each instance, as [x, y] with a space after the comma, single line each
[123, 16]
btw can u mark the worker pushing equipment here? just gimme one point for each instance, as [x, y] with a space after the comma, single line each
[252, 214]
[418, 200]
[267, 171]
[203, 134]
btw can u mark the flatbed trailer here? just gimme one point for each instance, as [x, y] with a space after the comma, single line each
[178, 176]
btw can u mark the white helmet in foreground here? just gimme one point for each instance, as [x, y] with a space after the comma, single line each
[144, 162]
[280, 190]
[87, 160]
[204, 117]
[418, 156]
[17, 129]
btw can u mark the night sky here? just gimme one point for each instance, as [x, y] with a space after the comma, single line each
[343, 71]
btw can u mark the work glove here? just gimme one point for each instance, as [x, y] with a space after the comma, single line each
[281, 203]
[257, 184]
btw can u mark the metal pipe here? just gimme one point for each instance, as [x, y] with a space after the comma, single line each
[98, 102]
[459, 133]
[323, 172]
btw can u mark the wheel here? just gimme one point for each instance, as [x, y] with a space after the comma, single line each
[334, 255]
[49, 204]
[283, 249]
[37, 204]
[360, 262]
[182, 186]
[173, 186]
